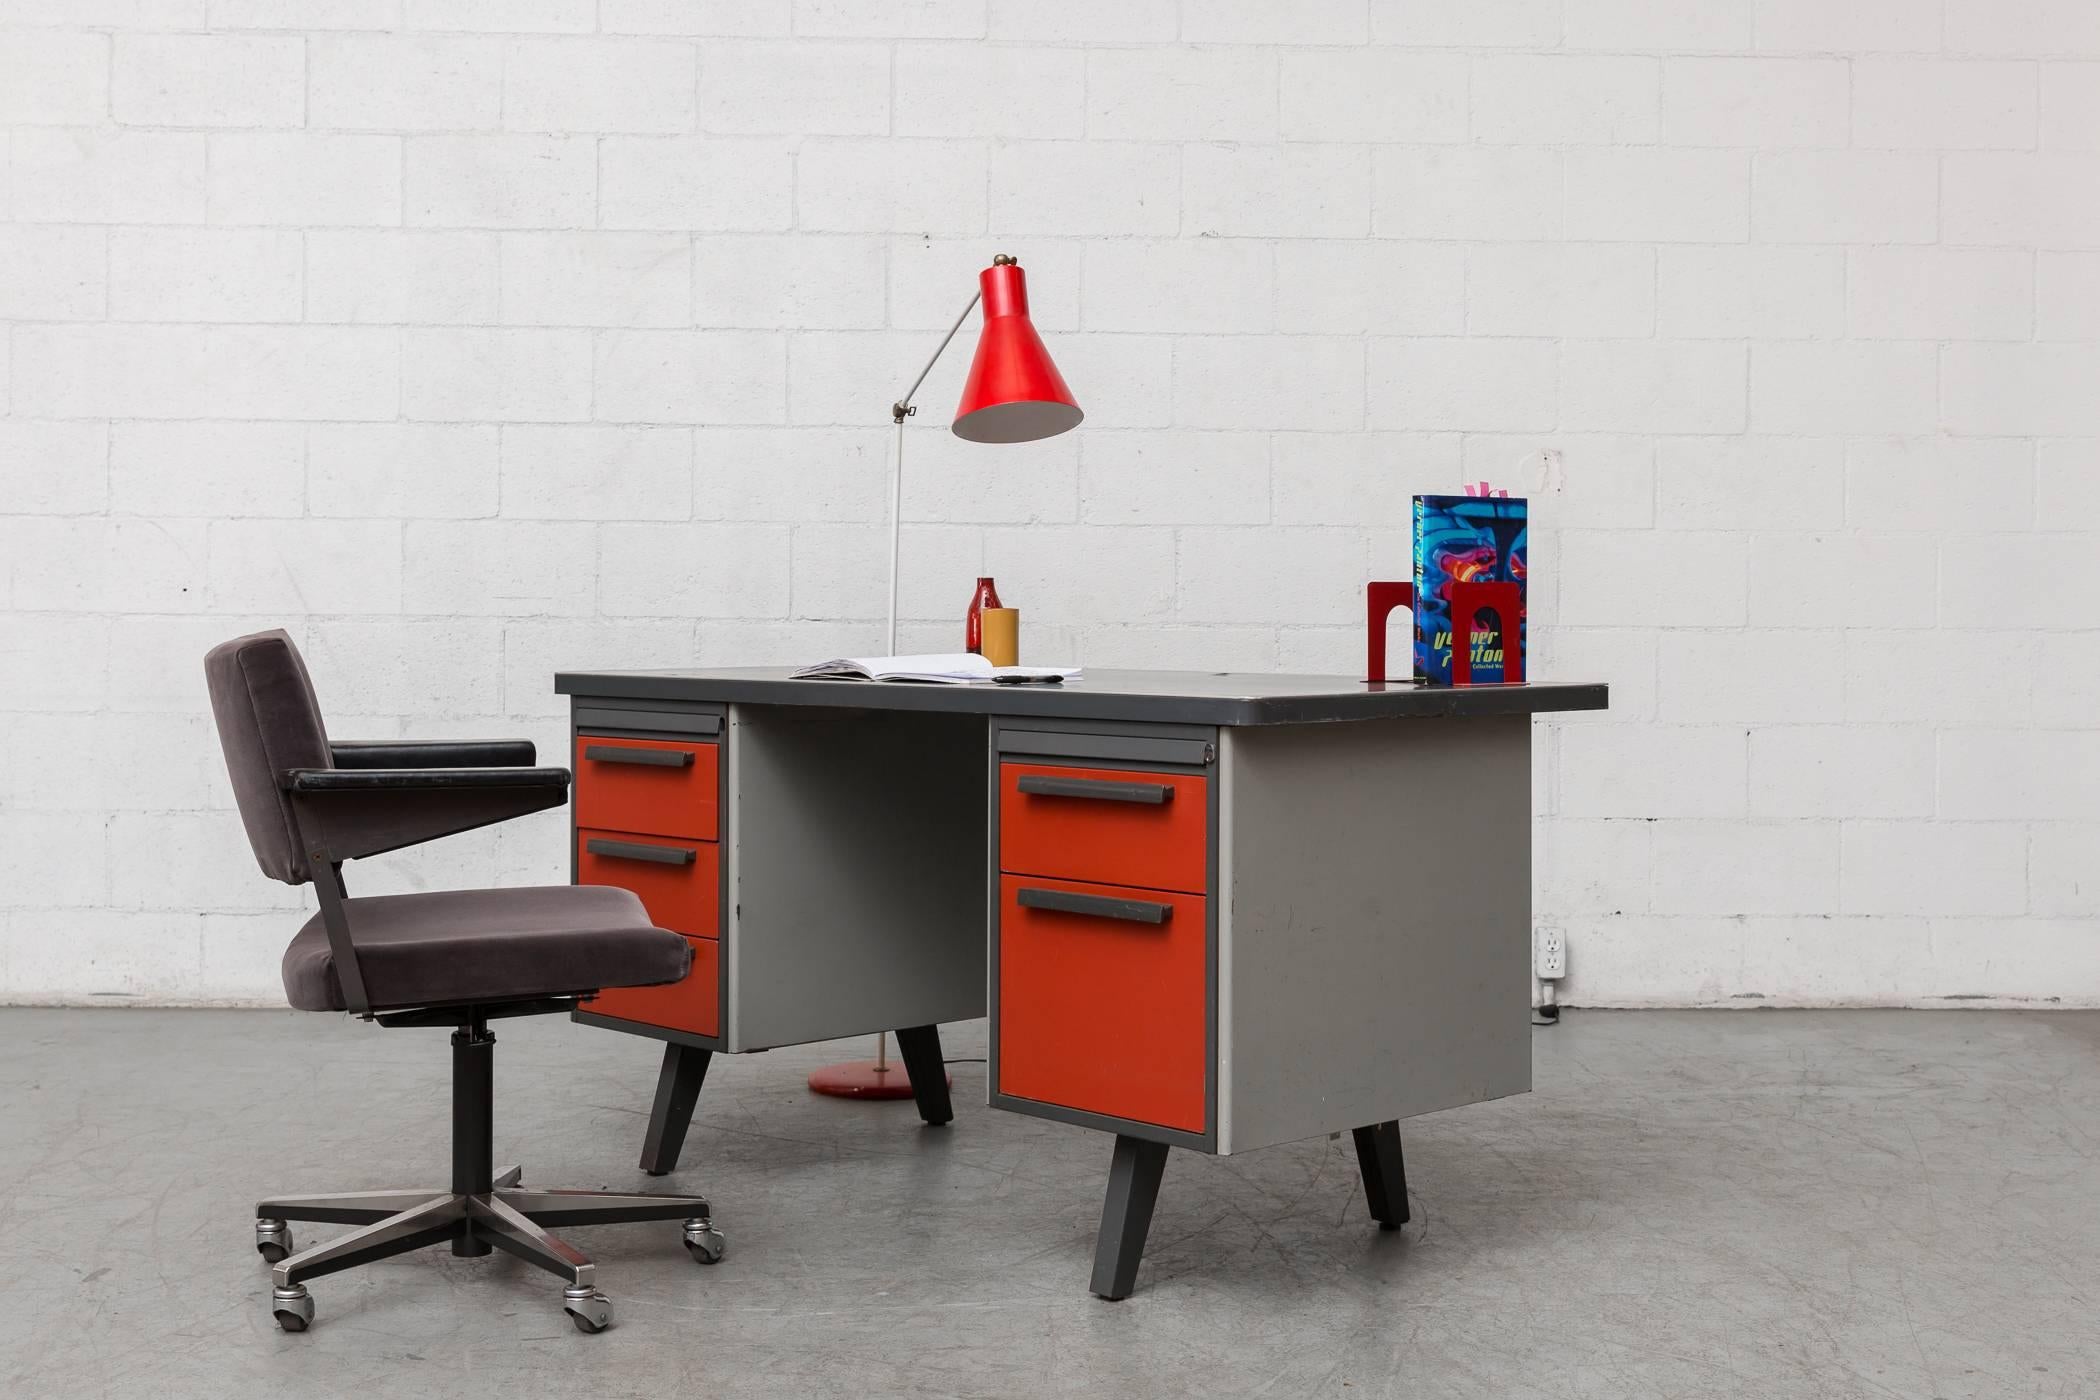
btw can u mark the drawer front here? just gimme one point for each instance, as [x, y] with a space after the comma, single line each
[691, 1005]
[1104, 999]
[679, 882]
[656, 786]
[1107, 825]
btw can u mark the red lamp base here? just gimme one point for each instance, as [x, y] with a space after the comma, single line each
[865, 1079]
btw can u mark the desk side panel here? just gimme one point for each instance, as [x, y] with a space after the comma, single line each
[859, 881]
[1378, 937]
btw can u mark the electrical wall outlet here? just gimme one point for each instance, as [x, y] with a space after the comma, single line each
[1549, 955]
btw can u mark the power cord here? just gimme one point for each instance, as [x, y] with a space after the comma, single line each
[1547, 1012]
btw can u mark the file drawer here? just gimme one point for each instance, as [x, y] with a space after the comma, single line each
[690, 1005]
[1107, 825]
[679, 882]
[656, 786]
[1104, 1000]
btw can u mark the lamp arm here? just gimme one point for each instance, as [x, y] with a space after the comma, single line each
[902, 407]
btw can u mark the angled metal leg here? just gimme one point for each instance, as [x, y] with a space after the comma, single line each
[600, 1207]
[921, 1048]
[1126, 1214]
[501, 1224]
[508, 1177]
[677, 1091]
[1384, 1172]
[433, 1222]
[348, 1208]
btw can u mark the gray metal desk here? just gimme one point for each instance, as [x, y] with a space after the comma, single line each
[1207, 911]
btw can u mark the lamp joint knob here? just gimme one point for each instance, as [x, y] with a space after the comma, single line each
[1005, 260]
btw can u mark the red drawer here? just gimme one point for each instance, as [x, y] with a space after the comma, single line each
[1104, 824]
[650, 785]
[679, 882]
[1104, 1007]
[691, 1005]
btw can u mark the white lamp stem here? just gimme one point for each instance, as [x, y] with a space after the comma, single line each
[900, 410]
[896, 523]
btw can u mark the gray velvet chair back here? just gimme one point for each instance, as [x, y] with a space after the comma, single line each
[269, 723]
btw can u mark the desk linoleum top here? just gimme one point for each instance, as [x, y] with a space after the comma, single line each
[1181, 697]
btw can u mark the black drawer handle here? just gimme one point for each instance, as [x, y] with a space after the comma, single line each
[635, 850]
[1099, 789]
[653, 758]
[1136, 911]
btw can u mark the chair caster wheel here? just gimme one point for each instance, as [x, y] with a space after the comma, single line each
[704, 1241]
[292, 1307]
[589, 1309]
[273, 1241]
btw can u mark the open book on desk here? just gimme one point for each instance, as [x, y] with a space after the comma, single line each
[949, 668]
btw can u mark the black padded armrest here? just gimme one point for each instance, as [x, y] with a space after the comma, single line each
[421, 779]
[432, 753]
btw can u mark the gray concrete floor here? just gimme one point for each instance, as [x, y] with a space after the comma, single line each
[1727, 1204]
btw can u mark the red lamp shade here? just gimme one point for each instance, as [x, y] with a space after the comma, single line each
[1014, 392]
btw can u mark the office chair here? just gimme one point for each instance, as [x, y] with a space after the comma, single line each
[458, 958]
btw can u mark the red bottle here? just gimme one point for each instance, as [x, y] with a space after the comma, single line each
[986, 596]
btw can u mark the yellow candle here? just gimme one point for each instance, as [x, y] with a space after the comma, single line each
[1002, 636]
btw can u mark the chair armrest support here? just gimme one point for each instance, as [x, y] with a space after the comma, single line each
[432, 753]
[354, 813]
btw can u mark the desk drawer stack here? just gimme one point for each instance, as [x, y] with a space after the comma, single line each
[1105, 934]
[1227, 938]
[648, 819]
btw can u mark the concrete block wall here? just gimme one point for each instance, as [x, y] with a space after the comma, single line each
[472, 338]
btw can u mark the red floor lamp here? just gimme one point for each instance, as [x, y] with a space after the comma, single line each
[1014, 394]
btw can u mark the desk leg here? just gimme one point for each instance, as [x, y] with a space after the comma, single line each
[921, 1048]
[677, 1090]
[1126, 1214]
[1384, 1173]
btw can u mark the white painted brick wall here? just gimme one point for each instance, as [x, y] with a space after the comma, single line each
[499, 181]
[208, 80]
[637, 85]
[1379, 94]
[2070, 106]
[53, 273]
[1749, 291]
[302, 178]
[470, 339]
[1740, 101]
[48, 79]
[386, 82]
[695, 184]
[205, 274]
[1643, 194]
[102, 174]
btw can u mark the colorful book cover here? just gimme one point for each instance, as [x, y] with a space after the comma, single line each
[1464, 539]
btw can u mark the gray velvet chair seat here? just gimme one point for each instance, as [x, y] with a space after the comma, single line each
[487, 945]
